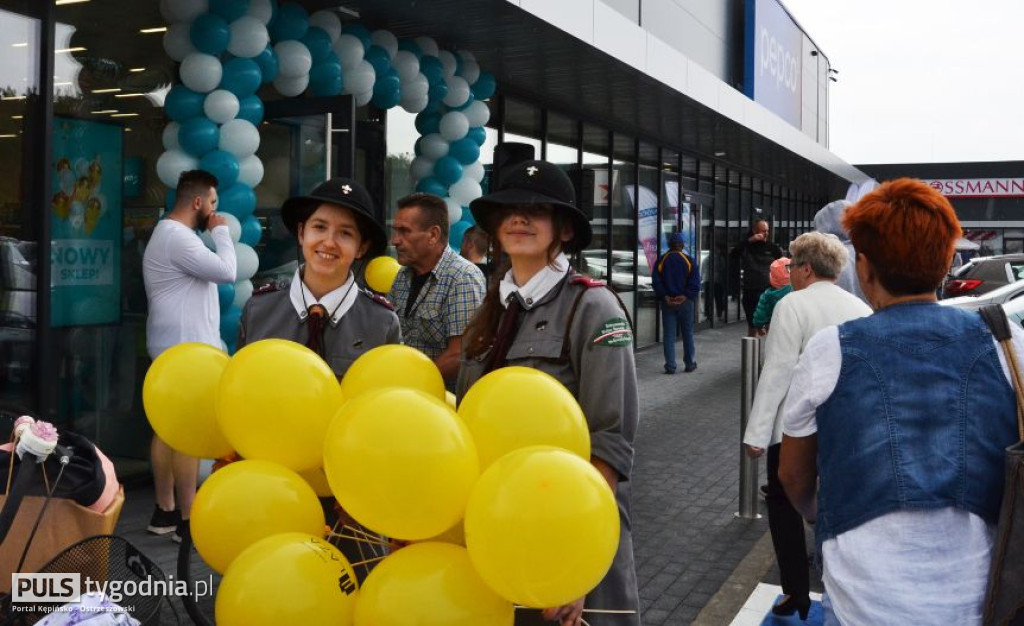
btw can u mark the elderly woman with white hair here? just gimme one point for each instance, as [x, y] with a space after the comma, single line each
[815, 303]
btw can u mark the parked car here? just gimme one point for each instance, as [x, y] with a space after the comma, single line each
[983, 274]
[1015, 311]
[1000, 295]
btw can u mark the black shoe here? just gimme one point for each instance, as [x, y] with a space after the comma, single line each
[793, 605]
[180, 530]
[690, 367]
[669, 371]
[163, 522]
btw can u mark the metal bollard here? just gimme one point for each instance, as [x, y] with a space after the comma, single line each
[750, 369]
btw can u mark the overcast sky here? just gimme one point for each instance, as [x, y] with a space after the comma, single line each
[922, 80]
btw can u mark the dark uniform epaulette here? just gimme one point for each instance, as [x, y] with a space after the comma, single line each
[379, 299]
[587, 281]
[265, 289]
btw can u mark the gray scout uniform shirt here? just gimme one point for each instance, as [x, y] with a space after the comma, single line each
[594, 360]
[369, 323]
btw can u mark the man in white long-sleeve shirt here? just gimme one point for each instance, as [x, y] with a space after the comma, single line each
[181, 276]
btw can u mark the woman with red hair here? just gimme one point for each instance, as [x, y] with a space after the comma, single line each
[895, 425]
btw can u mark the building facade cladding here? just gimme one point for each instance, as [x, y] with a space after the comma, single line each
[66, 75]
[988, 198]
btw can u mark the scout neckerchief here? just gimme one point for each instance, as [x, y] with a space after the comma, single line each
[317, 317]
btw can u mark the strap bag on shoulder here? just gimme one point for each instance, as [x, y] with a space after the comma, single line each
[1004, 601]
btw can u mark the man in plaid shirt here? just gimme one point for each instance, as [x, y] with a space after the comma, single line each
[437, 291]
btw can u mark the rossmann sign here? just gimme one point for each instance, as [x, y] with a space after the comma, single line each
[979, 187]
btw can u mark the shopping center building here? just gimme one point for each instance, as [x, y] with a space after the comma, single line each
[669, 115]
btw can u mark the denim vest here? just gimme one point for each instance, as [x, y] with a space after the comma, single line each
[919, 418]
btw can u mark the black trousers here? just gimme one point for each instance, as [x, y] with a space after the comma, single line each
[749, 299]
[787, 529]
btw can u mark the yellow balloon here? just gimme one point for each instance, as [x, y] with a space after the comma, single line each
[542, 527]
[393, 366]
[275, 401]
[515, 407]
[291, 578]
[380, 273]
[429, 584]
[456, 535]
[317, 479]
[247, 501]
[401, 463]
[179, 397]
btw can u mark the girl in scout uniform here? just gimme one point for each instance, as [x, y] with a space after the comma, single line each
[324, 308]
[539, 313]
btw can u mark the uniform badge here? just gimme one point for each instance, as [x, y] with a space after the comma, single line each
[613, 333]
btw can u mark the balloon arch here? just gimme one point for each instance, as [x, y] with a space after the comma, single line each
[229, 48]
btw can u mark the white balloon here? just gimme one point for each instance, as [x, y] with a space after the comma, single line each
[291, 86]
[183, 10]
[448, 61]
[363, 99]
[407, 65]
[250, 171]
[421, 167]
[243, 291]
[246, 260]
[433, 146]
[414, 103]
[349, 49]
[207, 239]
[240, 138]
[170, 137]
[427, 45]
[328, 21]
[221, 106]
[470, 71]
[466, 56]
[263, 10]
[465, 191]
[178, 41]
[419, 86]
[474, 171]
[172, 163]
[360, 79]
[386, 40]
[201, 72]
[458, 91]
[234, 226]
[454, 125]
[454, 210]
[249, 37]
[478, 113]
[293, 59]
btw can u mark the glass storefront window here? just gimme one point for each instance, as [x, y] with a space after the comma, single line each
[646, 199]
[401, 143]
[624, 222]
[595, 197]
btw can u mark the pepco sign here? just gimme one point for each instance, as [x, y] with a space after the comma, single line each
[773, 70]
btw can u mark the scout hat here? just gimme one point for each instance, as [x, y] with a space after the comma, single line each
[343, 192]
[535, 182]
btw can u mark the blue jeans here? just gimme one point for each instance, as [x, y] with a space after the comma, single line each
[681, 318]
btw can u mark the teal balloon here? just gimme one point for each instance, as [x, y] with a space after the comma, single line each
[465, 150]
[433, 69]
[238, 199]
[318, 42]
[437, 92]
[221, 164]
[467, 216]
[291, 22]
[378, 58]
[433, 186]
[410, 46]
[358, 30]
[267, 61]
[448, 170]
[387, 90]
[250, 108]
[242, 77]
[182, 103]
[210, 33]
[230, 10]
[477, 134]
[484, 87]
[325, 78]
[226, 295]
[170, 199]
[229, 320]
[252, 231]
[456, 233]
[428, 123]
[417, 147]
[198, 136]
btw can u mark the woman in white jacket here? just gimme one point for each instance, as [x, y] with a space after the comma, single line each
[815, 303]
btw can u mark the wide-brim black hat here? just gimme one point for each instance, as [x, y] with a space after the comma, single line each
[343, 192]
[535, 182]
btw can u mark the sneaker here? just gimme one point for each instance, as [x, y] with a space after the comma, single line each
[690, 367]
[163, 522]
[669, 371]
[180, 530]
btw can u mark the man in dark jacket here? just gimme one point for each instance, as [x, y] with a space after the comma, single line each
[756, 254]
[676, 282]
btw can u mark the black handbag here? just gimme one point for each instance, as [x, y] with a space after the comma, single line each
[1004, 600]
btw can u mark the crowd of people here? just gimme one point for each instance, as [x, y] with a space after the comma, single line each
[860, 410]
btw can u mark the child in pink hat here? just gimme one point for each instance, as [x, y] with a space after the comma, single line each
[779, 277]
